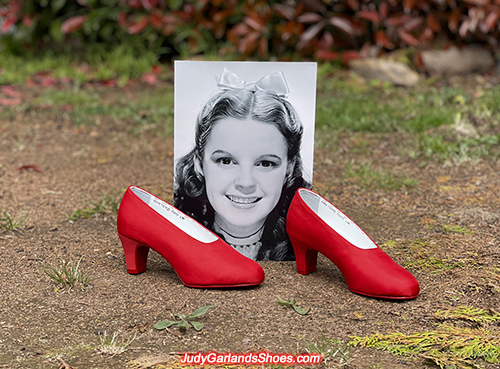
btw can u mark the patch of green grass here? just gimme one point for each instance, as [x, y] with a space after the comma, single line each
[448, 346]
[106, 205]
[152, 111]
[67, 274]
[8, 222]
[119, 63]
[441, 148]
[369, 177]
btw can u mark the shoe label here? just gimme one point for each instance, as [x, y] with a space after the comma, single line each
[181, 221]
[344, 226]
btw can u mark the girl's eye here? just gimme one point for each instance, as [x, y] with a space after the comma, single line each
[225, 161]
[267, 164]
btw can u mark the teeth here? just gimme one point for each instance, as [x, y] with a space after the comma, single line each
[243, 200]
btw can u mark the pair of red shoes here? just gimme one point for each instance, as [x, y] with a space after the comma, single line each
[201, 259]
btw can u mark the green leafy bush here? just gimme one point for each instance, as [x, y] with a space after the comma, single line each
[331, 30]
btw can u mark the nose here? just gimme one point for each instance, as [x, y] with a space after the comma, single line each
[244, 182]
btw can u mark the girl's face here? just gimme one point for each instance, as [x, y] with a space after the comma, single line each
[245, 166]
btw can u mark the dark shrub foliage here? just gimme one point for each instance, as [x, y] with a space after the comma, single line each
[259, 29]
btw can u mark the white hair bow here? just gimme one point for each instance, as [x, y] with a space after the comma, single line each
[272, 82]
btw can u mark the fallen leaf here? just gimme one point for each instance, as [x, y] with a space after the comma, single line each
[10, 102]
[149, 78]
[30, 167]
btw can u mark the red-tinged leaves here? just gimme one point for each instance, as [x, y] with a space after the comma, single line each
[122, 19]
[150, 79]
[249, 43]
[309, 34]
[27, 21]
[263, 47]
[433, 23]
[310, 18]
[10, 91]
[464, 28]
[426, 36]
[408, 38]
[73, 24]
[397, 20]
[29, 167]
[343, 24]
[383, 9]
[284, 11]
[156, 69]
[353, 4]
[326, 41]
[138, 26]
[479, 3]
[491, 20]
[149, 4]
[7, 23]
[348, 56]
[135, 4]
[326, 55]
[454, 20]
[381, 39]
[409, 5]
[418, 62]
[369, 15]
[10, 102]
[413, 24]
[109, 82]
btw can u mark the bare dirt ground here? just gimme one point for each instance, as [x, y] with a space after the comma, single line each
[45, 326]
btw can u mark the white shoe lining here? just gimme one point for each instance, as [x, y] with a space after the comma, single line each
[176, 217]
[337, 220]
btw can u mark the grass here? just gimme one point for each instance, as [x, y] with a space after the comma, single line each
[67, 274]
[119, 63]
[8, 222]
[369, 177]
[114, 345]
[423, 256]
[448, 345]
[332, 350]
[106, 205]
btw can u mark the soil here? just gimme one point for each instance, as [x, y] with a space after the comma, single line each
[44, 325]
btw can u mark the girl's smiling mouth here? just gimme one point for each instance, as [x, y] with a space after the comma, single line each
[243, 200]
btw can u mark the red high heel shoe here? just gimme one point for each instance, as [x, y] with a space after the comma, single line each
[313, 224]
[199, 257]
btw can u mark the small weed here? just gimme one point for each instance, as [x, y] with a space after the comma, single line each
[112, 345]
[67, 273]
[448, 346]
[10, 223]
[330, 349]
[184, 321]
[104, 206]
[294, 305]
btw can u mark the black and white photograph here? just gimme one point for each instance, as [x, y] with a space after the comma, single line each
[244, 142]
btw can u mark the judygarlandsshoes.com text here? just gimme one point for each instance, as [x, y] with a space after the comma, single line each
[251, 358]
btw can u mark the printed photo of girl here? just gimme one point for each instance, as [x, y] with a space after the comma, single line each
[245, 165]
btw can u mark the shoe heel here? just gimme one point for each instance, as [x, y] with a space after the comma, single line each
[306, 258]
[136, 254]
